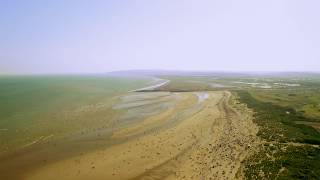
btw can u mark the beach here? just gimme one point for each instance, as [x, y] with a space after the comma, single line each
[191, 140]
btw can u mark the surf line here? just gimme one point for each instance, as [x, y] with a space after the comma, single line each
[148, 88]
[42, 138]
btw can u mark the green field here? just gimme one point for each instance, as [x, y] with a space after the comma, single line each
[34, 107]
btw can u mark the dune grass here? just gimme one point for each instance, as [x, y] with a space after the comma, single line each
[290, 151]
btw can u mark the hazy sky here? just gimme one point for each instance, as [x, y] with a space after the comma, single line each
[65, 36]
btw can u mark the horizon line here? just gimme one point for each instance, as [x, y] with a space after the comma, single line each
[159, 70]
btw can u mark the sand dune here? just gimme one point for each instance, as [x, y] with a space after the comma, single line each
[195, 139]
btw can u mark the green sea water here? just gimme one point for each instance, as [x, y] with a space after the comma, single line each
[37, 106]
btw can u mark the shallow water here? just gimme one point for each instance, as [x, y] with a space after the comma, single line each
[79, 119]
[37, 109]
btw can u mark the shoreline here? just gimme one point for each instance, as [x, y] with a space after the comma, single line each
[153, 87]
[176, 148]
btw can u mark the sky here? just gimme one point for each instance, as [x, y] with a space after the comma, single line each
[97, 36]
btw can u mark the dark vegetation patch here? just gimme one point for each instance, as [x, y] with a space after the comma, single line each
[306, 100]
[281, 161]
[290, 150]
[277, 123]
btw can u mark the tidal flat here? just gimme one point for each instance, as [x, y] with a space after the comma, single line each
[42, 115]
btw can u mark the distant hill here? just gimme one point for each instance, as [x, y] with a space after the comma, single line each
[139, 73]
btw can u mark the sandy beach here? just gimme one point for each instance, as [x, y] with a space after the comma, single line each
[204, 139]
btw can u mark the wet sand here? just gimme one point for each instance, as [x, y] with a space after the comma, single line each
[189, 139]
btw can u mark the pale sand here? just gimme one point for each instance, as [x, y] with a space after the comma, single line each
[208, 144]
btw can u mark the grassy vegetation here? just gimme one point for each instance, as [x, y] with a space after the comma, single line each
[304, 100]
[284, 162]
[277, 123]
[281, 157]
